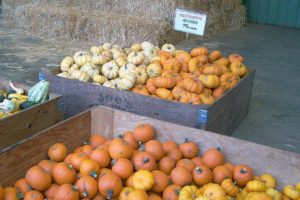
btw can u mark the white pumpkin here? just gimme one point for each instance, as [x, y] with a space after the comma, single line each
[141, 75]
[96, 49]
[66, 63]
[154, 70]
[136, 47]
[90, 69]
[82, 57]
[127, 82]
[110, 70]
[107, 46]
[121, 61]
[136, 58]
[99, 79]
[80, 75]
[107, 55]
[151, 52]
[127, 50]
[169, 48]
[112, 83]
[73, 67]
[146, 45]
[119, 54]
[126, 68]
[98, 59]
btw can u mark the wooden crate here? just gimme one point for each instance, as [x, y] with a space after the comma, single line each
[223, 116]
[111, 122]
[25, 123]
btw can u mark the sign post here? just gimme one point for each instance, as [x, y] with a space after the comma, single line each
[189, 22]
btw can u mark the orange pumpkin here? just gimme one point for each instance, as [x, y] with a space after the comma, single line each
[229, 80]
[155, 148]
[218, 92]
[164, 82]
[89, 167]
[172, 192]
[63, 173]
[128, 136]
[164, 94]
[238, 68]
[172, 64]
[189, 149]
[183, 56]
[77, 159]
[194, 64]
[67, 160]
[87, 187]
[101, 157]
[203, 59]
[177, 92]
[51, 191]
[33, 195]
[199, 51]
[213, 158]
[87, 149]
[207, 91]
[168, 145]
[140, 89]
[161, 181]
[22, 185]
[163, 56]
[229, 166]
[242, 174]
[66, 192]
[153, 196]
[119, 148]
[57, 152]
[197, 161]
[97, 140]
[186, 163]
[224, 69]
[144, 161]
[10, 193]
[122, 167]
[166, 164]
[192, 86]
[104, 172]
[214, 55]
[125, 192]
[144, 133]
[150, 85]
[235, 58]
[110, 185]
[38, 178]
[221, 173]
[212, 69]
[47, 165]
[222, 62]
[202, 175]
[196, 99]
[175, 154]
[181, 176]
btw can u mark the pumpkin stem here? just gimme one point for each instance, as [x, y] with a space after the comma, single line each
[146, 160]
[113, 162]
[243, 171]
[78, 176]
[177, 191]
[20, 195]
[74, 188]
[219, 148]
[234, 183]
[142, 147]
[86, 142]
[94, 174]
[120, 136]
[198, 170]
[110, 194]
[186, 140]
[85, 194]
[70, 167]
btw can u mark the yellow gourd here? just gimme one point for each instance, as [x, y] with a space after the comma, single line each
[269, 180]
[291, 192]
[258, 196]
[125, 192]
[143, 180]
[256, 186]
[213, 191]
[229, 187]
[274, 194]
[189, 192]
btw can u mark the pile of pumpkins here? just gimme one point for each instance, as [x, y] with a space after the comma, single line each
[198, 77]
[136, 166]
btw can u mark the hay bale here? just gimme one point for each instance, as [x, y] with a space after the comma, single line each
[47, 20]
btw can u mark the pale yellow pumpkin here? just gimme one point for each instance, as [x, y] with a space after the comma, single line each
[127, 82]
[189, 192]
[121, 61]
[136, 47]
[107, 55]
[154, 70]
[169, 48]
[291, 192]
[276, 195]
[80, 75]
[81, 58]
[141, 75]
[269, 180]
[98, 59]
[238, 68]
[118, 54]
[90, 69]
[96, 49]
[136, 58]
[126, 68]
[110, 70]
[99, 79]
[66, 64]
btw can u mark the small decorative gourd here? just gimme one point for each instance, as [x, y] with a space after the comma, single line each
[127, 82]
[238, 68]
[125, 69]
[98, 59]
[169, 48]
[81, 58]
[210, 81]
[96, 49]
[291, 192]
[141, 75]
[136, 47]
[107, 46]
[99, 79]
[136, 58]
[189, 193]
[90, 69]
[143, 180]
[80, 75]
[110, 70]
[66, 63]
[154, 70]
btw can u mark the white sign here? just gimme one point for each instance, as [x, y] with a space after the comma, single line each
[189, 22]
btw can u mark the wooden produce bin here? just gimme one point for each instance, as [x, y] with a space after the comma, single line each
[25, 123]
[111, 122]
[223, 116]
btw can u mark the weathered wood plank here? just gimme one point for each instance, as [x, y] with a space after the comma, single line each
[223, 116]
[262, 158]
[15, 161]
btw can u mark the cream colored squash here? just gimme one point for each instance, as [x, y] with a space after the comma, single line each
[110, 70]
[96, 49]
[90, 69]
[136, 58]
[126, 68]
[154, 70]
[169, 48]
[66, 64]
[99, 79]
[141, 75]
[81, 58]
[98, 59]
